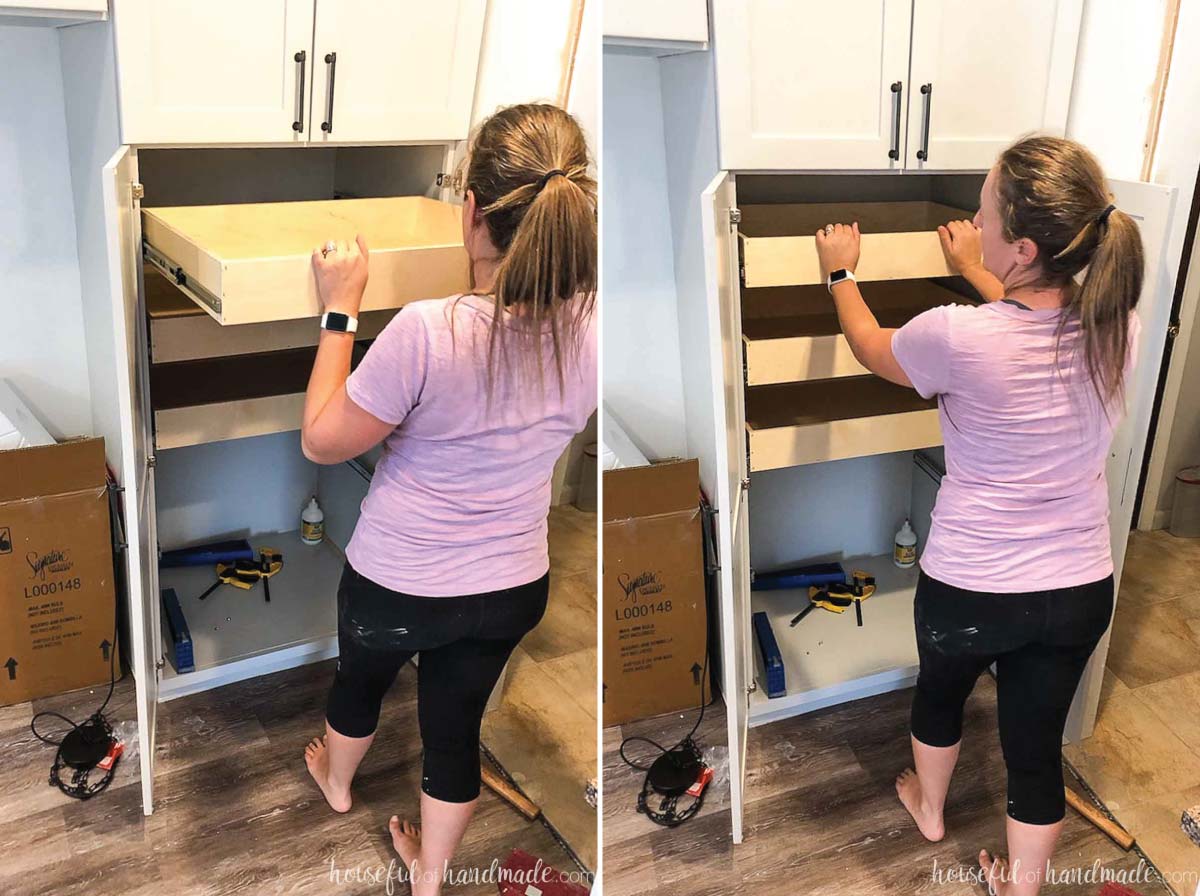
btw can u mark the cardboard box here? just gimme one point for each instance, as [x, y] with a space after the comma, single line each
[655, 620]
[57, 601]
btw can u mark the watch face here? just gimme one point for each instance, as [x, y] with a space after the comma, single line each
[335, 320]
[837, 276]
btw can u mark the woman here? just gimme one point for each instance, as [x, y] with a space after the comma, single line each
[1030, 385]
[474, 397]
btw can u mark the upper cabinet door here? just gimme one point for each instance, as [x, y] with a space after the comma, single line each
[396, 72]
[985, 73]
[221, 71]
[810, 85]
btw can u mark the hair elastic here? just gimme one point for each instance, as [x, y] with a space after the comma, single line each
[550, 174]
[1102, 218]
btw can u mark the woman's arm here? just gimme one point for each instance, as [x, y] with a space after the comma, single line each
[964, 250]
[871, 343]
[335, 429]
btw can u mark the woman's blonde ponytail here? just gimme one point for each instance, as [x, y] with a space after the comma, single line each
[529, 171]
[1052, 191]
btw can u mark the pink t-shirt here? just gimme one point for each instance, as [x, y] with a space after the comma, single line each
[1024, 502]
[459, 499]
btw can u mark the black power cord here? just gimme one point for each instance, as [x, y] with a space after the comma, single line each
[87, 743]
[671, 774]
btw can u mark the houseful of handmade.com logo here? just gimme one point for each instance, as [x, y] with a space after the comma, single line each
[393, 873]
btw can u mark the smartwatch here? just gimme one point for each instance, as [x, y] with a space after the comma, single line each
[836, 277]
[336, 322]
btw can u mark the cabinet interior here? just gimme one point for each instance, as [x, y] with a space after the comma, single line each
[226, 404]
[846, 509]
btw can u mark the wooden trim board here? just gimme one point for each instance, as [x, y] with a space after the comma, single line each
[899, 240]
[256, 258]
[794, 333]
[793, 424]
[225, 420]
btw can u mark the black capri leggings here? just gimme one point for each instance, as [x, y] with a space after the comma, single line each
[463, 643]
[1040, 642]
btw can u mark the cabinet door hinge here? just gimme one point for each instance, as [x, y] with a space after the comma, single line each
[151, 461]
[1173, 331]
[159, 664]
[735, 218]
[137, 191]
[451, 180]
[753, 686]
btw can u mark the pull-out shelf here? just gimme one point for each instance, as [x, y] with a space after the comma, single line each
[213, 386]
[792, 424]
[791, 333]
[252, 263]
[899, 240]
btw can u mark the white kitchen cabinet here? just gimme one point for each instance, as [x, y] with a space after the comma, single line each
[52, 14]
[984, 74]
[811, 85]
[775, 417]
[888, 85]
[293, 71]
[396, 72]
[637, 23]
[222, 71]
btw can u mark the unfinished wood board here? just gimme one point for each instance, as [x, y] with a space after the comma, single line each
[827, 658]
[802, 423]
[181, 331]
[219, 422]
[252, 263]
[899, 240]
[792, 333]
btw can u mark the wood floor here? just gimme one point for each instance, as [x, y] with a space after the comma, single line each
[236, 810]
[822, 814]
[544, 731]
[1143, 758]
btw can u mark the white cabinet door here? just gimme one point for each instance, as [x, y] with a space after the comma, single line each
[124, 239]
[1152, 207]
[396, 72]
[664, 20]
[810, 85]
[985, 73]
[221, 71]
[729, 463]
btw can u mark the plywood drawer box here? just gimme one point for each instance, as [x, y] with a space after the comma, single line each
[252, 263]
[803, 423]
[181, 331]
[899, 240]
[791, 333]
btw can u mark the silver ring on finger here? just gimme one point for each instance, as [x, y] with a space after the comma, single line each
[330, 246]
[828, 229]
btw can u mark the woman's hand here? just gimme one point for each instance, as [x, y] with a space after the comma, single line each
[962, 244]
[341, 275]
[837, 248]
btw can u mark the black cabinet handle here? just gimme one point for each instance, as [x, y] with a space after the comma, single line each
[927, 92]
[897, 91]
[327, 124]
[298, 125]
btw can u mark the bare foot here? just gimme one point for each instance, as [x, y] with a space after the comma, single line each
[316, 757]
[995, 872]
[908, 788]
[406, 840]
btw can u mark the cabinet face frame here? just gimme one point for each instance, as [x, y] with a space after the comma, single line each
[747, 143]
[148, 118]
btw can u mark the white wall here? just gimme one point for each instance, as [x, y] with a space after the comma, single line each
[642, 382]
[42, 348]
